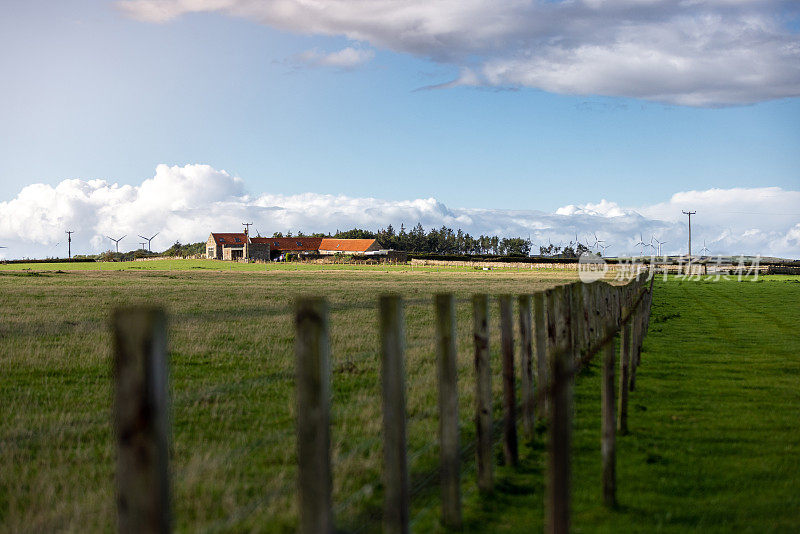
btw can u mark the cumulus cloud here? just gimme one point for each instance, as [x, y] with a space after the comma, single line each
[691, 52]
[346, 58]
[187, 203]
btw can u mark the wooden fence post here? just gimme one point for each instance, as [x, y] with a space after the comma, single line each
[624, 362]
[636, 340]
[576, 322]
[540, 344]
[448, 410]
[560, 427]
[483, 393]
[396, 492]
[526, 366]
[141, 420]
[313, 377]
[588, 313]
[509, 383]
[608, 441]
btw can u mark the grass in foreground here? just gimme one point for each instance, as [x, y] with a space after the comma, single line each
[715, 437]
[231, 349]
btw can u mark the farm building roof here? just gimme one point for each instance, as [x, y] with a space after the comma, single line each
[346, 245]
[229, 238]
[290, 244]
[297, 244]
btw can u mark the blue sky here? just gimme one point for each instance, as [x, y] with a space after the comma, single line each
[102, 90]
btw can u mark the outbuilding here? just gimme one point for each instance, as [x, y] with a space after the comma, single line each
[240, 246]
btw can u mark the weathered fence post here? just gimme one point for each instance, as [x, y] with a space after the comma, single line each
[313, 376]
[540, 344]
[526, 366]
[624, 362]
[588, 313]
[483, 393]
[560, 427]
[396, 492]
[576, 322]
[636, 338]
[509, 383]
[448, 410]
[608, 442]
[141, 420]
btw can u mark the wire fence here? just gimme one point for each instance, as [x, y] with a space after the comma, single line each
[340, 426]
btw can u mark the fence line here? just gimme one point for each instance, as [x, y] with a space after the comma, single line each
[561, 330]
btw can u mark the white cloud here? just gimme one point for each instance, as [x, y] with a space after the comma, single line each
[187, 203]
[694, 53]
[346, 58]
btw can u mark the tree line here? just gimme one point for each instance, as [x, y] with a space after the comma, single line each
[447, 241]
[443, 241]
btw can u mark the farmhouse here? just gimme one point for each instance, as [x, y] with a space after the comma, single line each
[239, 246]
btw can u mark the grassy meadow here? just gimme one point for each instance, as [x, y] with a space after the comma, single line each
[714, 421]
[231, 348]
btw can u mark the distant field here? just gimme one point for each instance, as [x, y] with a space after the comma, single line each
[714, 441]
[219, 265]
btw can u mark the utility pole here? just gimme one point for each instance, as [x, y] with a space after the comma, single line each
[247, 229]
[689, 213]
[69, 243]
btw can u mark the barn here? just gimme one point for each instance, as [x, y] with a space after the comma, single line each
[239, 246]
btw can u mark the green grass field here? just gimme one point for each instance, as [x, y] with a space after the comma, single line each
[714, 421]
[219, 265]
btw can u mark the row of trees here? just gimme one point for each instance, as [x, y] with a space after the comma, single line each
[445, 240]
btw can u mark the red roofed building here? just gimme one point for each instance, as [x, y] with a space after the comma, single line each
[237, 246]
[330, 245]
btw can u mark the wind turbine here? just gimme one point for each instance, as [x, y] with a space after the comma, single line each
[148, 239]
[704, 249]
[589, 244]
[116, 241]
[659, 243]
[604, 247]
[641, 243]
[652, 247]
[598, 242]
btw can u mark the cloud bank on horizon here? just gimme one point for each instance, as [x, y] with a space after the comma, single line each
[704, 53]
[187, 203]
